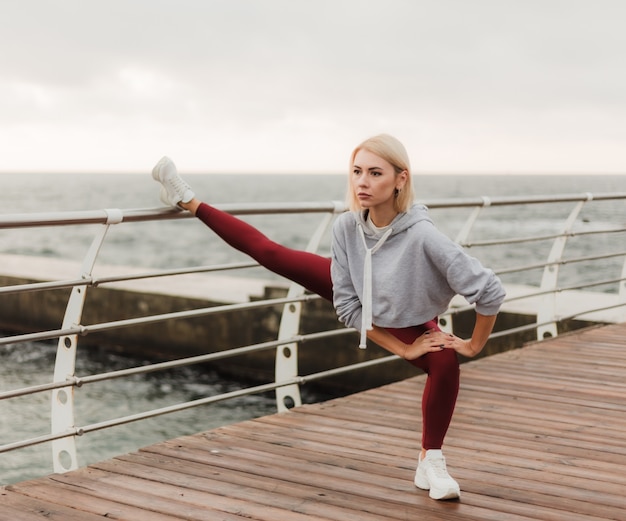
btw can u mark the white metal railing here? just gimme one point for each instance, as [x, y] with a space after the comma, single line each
[287, 378]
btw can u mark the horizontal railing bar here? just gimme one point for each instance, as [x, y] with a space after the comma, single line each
[30, 442]
[195, 313]
[572, 260]
[588, 311]
[547, 292]
[150, 214]
[34, 389]
[97, 281]
[118, 324]
[43, 286]
[79, 431]
[526, 267]
[589, 284]
[535, 325]
[518, 329]
[521, 200]
[209, 357]
[42, 335]
[563, 262]
[187, 405]
[348, 368]
[78, 381]
[512, 240]
[561, 289]
[537, 238]
[153, 214]
[458, 310]
[600, 231]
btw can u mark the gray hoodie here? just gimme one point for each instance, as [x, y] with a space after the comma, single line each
[404, 275]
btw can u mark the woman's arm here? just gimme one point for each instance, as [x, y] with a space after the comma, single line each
[482, 329]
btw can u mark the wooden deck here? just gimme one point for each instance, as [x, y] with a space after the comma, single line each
[538, 434]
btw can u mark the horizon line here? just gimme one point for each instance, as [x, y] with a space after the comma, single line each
[309, 173]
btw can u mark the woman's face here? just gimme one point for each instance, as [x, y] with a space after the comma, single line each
[374, 180]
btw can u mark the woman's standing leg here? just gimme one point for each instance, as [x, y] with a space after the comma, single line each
[441, 389]
[438, 403]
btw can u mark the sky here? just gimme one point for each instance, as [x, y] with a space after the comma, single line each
[291, 86]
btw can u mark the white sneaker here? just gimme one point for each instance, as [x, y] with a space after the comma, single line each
[432, 475]
[174, 190]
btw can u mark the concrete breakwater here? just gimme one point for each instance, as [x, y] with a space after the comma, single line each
[34, 311]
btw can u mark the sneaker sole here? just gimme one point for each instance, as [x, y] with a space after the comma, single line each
[421, 482]
[439, 494]
[449, 493]
[156, 171]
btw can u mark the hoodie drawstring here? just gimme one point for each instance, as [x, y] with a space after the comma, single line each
[366, 318]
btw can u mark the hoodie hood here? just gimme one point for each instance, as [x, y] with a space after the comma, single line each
[402, 221]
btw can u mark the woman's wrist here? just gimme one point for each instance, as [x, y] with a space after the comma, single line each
[474, 347]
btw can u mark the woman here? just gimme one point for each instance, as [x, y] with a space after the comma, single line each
[313, 272]
[391, 266]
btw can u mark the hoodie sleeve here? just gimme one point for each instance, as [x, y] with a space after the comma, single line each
[477, 284]
[466, 276]
[345, 298]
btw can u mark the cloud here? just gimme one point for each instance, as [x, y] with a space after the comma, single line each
[289, 85]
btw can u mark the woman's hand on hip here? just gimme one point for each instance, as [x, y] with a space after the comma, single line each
[429, 342]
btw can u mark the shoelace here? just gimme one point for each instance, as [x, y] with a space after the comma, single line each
[439, 467]
[177, 183]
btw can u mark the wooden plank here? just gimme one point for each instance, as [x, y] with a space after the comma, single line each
[16, 507]
[88, 501]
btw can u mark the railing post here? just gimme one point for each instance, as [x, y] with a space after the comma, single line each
[286, 363]
[464, 233]
[64, 456]
[547, 312]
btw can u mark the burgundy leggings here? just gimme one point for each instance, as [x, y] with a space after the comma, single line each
[313, 273]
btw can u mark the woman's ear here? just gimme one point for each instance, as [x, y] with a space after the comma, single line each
[401, 180]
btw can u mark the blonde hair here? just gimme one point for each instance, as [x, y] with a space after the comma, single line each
[391, 150]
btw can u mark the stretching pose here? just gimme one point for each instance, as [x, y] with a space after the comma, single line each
[424, 345]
